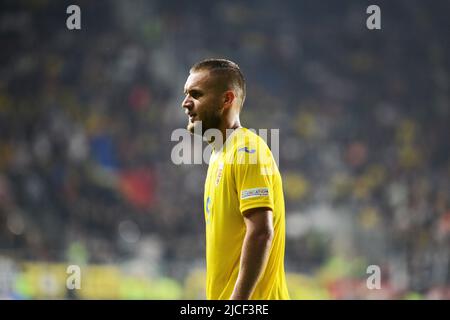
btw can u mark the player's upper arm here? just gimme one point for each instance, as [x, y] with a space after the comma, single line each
[253, 177]
[259, 221]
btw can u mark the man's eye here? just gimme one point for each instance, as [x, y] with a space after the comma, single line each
[195, 94]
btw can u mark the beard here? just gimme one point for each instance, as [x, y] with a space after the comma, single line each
[192, 127]
[206, 121]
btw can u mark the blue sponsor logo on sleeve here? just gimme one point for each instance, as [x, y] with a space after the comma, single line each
[246, 149]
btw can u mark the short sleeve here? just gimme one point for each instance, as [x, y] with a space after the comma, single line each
[253, 170]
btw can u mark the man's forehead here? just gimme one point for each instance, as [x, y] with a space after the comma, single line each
[197, 78]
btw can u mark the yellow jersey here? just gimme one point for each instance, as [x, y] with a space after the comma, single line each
[242, 175]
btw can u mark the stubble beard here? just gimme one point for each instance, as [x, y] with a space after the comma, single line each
[211, 121]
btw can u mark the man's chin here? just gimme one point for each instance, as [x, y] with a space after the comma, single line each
[195, 128]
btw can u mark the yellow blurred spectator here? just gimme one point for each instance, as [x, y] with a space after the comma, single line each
[296, 186]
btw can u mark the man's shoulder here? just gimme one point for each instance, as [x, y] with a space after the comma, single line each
[247, 147]
[246, 140]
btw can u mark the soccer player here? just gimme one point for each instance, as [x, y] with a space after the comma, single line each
[243, 200]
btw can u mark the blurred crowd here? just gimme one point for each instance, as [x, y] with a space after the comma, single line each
[86, 118]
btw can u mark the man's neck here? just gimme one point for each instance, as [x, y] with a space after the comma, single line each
[226, 132]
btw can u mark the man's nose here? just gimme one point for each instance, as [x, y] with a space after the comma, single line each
[187, 103]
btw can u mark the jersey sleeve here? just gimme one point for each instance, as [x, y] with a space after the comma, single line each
[253, 171]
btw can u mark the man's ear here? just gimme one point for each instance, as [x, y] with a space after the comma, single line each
[228, 99]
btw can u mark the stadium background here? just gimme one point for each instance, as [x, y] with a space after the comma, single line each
[86, 116]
